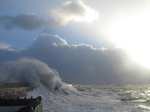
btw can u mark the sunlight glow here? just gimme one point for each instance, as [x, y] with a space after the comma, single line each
[133, 34]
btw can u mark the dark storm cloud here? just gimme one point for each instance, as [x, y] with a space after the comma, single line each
[81, 62]
[26, 21]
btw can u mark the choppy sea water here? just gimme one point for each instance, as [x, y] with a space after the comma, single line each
[97, 98]
[57, 96]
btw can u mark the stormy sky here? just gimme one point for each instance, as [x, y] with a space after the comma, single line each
[99, 41]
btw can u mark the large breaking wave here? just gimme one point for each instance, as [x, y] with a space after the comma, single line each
[45, 80]
[34, 72]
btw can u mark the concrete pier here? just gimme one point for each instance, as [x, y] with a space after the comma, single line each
[11, 98]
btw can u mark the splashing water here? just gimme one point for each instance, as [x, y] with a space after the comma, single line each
[44, 79]
[58, 96]
[34, 72]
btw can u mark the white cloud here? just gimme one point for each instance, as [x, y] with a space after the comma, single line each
[73, 11]
[50, 39]
[104, 49]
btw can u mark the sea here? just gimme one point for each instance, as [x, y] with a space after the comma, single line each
[96, 98]
[59, 96]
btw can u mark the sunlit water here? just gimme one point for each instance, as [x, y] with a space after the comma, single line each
[97, 98]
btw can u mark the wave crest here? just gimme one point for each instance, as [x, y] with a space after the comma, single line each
[34, 72]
